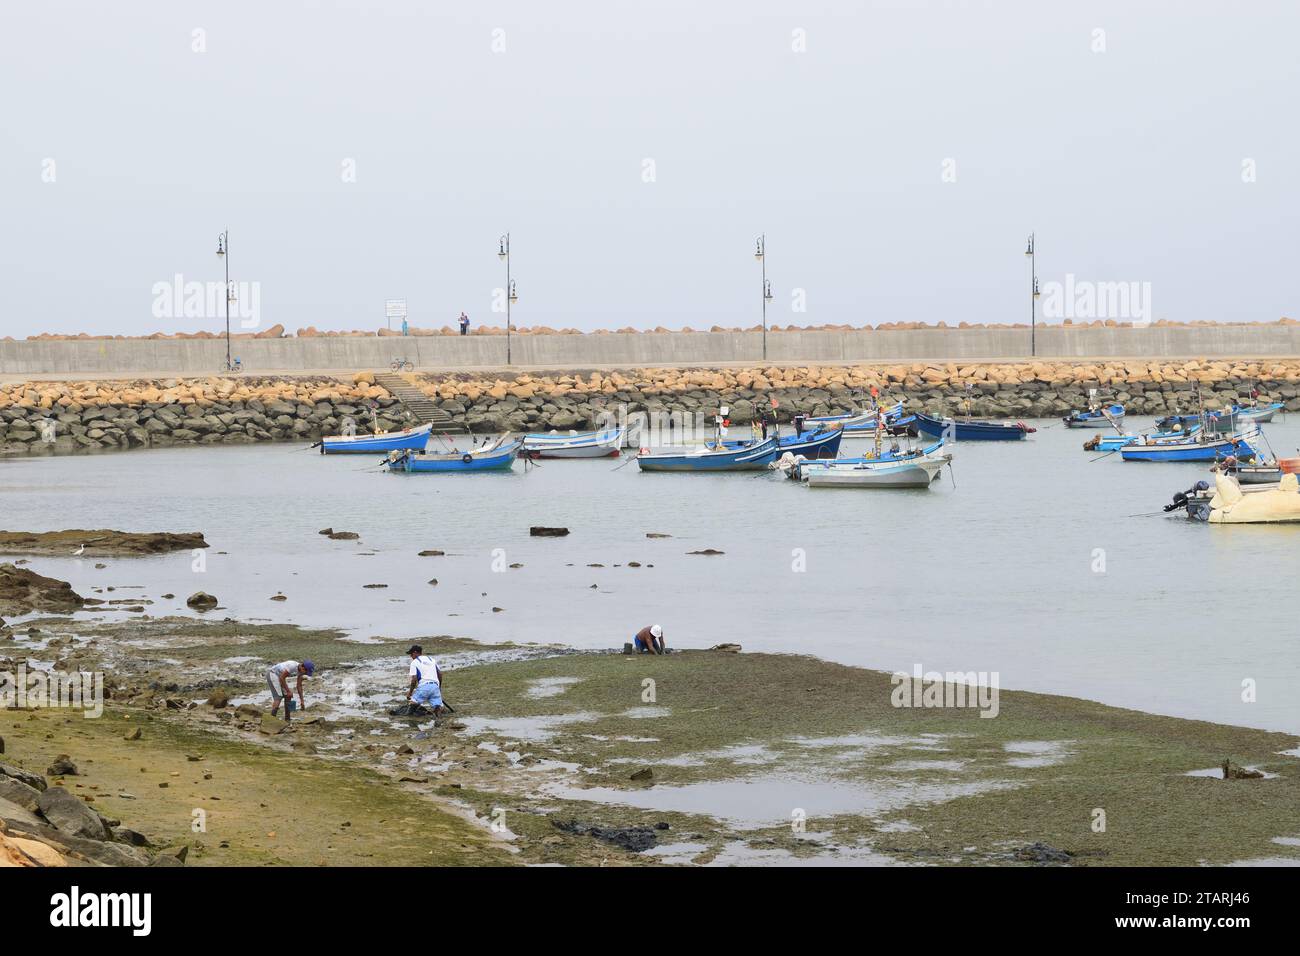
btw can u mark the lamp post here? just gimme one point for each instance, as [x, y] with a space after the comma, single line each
[503, 252]
[223, 247]
[1033, 295]
[760, 253]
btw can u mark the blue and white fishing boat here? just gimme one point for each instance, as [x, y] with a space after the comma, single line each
[972, 430]
[1226, 419]
[496, 456]
[818, 444]
[750, 456]
[864, 422]
[409, 439]
[917, 472]
[597, 444]
[1096, 418]
[1116, 442]
[793, 466]
[1201, 447]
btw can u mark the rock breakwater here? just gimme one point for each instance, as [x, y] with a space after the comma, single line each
[63, 417]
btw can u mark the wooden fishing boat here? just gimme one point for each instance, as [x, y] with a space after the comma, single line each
[409, 439]
[1116, 442]
[915, 473]
[751, 456]
[819, 444]
[864, 422]
[597, 444]
[1198, 448]
[496, 456]
[968, 430]
[1226, 419]
[794, 466]
[1096, 418]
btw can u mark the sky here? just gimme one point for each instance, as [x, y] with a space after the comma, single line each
[896, 155]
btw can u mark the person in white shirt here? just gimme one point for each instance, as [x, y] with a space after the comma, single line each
[426, 680]
[277, 678]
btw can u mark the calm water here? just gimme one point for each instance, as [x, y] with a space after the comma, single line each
[995, 574]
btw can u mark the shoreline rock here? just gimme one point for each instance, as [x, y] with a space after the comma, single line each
[101, 543]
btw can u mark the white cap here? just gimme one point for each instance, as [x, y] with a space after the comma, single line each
[656, 630]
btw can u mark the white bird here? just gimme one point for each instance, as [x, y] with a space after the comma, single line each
[79, 550]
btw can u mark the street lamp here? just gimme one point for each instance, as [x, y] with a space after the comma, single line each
[760, 253]
[503, 252]
[1033, 294]
[223, 246]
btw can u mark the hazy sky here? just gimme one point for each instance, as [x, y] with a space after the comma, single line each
[1129, 163]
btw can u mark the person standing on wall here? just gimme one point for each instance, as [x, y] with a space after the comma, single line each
[464, 324]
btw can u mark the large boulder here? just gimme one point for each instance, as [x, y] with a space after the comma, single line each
[23, 591]
[70, 814]
[201, 601]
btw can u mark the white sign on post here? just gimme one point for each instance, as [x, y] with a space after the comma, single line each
[394, 309]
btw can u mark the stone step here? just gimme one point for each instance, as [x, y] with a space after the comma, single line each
[413, 399]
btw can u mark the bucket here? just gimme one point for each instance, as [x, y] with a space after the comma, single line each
[1289, 466]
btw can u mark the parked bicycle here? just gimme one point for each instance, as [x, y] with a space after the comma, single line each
[402, 365]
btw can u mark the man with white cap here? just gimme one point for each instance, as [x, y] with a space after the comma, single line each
[650, 640]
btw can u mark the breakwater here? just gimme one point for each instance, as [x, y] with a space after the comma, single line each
[40, 417]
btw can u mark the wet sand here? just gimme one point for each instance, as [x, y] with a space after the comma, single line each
[753, 758]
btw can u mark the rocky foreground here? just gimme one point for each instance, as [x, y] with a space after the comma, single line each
[44, 823]
[62, 417]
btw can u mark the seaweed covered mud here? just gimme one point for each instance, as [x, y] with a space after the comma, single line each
[697, 757]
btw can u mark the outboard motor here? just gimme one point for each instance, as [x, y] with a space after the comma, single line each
[1180, 499]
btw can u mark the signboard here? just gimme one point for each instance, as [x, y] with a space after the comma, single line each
[394, 309]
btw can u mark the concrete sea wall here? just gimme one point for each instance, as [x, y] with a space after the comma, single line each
[165, 357]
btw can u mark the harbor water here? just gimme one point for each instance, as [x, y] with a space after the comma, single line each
[1031, 561]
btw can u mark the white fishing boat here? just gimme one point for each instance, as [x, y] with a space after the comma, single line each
[573, 444]
[913, 473]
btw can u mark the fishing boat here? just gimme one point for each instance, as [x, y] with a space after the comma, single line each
[409, 439]
[969, 430]
[1232, 503]
[495, 456]
[916, 473]
[1226, 419]
[818, 444]
[1096, 418]
[1259, 473]
[1197, 448]
[597, 444]
[864, 422]
[718, 456]
[1116, 442]
[793, 466]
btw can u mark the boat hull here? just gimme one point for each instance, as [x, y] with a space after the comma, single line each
[755, 457]
[1188, 451]
[816, 445]
[971, 431]
[411, 439]
[920, 473]
[600, 444]
[499, 457]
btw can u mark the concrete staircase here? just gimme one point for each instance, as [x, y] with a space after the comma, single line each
[414, 400]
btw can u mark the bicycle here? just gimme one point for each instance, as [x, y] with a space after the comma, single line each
[402, 365]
